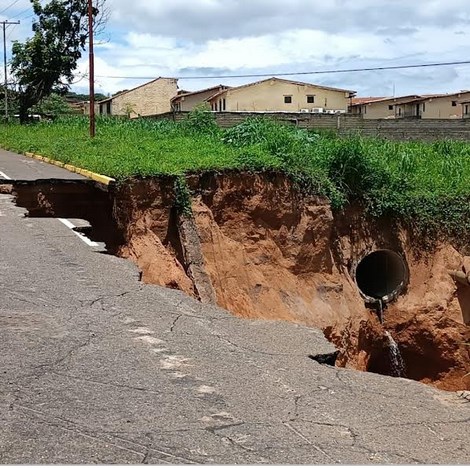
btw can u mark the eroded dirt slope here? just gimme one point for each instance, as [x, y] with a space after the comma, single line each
[259, 248]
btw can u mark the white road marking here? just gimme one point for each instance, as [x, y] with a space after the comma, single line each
[206, 389]
[81, 236]
[149, 339]
[2, 174]
[143, 331]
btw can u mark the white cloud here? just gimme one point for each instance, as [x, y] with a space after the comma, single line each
[150, 38]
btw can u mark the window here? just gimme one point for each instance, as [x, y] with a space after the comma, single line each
[310, 99]
[454, 103]
[390, 107]
[287, 99]
[424, 106]
[224, 104]
[216, 107]
[108, 108]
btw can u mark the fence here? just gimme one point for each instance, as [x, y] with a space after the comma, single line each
[393, 129]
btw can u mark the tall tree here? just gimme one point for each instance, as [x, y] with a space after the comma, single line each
[45, 63]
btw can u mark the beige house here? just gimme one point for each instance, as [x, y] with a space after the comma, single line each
[434, 106]
[426, 106]
[279, 95]
[465, 108]
[377, 107]
[151, 98]
[187, 101]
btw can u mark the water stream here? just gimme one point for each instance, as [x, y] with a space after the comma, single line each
[380, 310]
[397, 366]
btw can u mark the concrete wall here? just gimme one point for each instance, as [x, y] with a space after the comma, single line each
[149, 99]
[393, 129]
[269, 96]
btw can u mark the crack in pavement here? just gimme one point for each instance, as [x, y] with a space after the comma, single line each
[173, 325]
[137, 449]
[107, 384]
[255, 351]
[309, 442]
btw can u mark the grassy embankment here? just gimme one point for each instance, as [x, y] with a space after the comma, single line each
[425, 184]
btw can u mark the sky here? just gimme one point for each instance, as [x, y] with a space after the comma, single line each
[144, 39]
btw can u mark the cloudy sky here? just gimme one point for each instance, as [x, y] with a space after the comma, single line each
[214, 38]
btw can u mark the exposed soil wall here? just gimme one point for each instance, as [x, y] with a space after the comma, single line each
[272, 253]
[259, 248]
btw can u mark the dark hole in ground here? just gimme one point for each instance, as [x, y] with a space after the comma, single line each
[327, 358]
[381, 274]
[76, 200]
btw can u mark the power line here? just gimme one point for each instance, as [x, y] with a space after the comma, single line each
[9, 6]
[317, 72]
[11, 30]
[18, 15]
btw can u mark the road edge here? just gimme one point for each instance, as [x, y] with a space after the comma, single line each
[102, 179]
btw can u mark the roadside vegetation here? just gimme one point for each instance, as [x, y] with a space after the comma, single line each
[425, 184]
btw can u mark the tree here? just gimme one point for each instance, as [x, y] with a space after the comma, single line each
[46, 62]
[52, 106]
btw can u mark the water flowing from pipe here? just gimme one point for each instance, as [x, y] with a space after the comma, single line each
[397, 366]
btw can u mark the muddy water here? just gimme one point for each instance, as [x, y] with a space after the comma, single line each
[397, 366]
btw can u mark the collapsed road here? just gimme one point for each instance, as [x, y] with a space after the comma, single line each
[100, 367]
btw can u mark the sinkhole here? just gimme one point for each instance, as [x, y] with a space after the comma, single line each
[381, 275]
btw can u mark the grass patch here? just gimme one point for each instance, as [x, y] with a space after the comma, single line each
[426, 185]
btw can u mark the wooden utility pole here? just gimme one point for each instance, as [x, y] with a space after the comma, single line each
[92, 69]
[5, 89]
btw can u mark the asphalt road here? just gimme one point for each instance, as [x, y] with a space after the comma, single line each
[19, 167]
[97, 367]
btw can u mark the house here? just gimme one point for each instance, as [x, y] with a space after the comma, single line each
[425, 106]
[279, 95]
[377, 107]
[187, 101]
[465, 108]
[434, 106]
[151, 98]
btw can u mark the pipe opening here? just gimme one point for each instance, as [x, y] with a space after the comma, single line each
[382, 275]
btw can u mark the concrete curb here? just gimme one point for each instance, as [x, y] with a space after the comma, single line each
[102, 179]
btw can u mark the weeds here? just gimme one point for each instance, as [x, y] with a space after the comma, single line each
[427, 185]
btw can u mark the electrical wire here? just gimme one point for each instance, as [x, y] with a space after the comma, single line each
[317, 72]
[18, 15]
[9, 6]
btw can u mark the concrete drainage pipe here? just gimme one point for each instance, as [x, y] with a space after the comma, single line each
[381, 274]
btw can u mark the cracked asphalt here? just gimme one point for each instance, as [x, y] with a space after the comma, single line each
[97, 367]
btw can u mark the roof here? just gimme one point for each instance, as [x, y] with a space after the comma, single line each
[137, 87]
[298, 83]
[395, 100]
[192, 93]
[365, 100]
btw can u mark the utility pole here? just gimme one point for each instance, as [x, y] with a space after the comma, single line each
[5, 90]
[91, 61]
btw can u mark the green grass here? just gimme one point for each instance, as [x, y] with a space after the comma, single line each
[426, 185]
